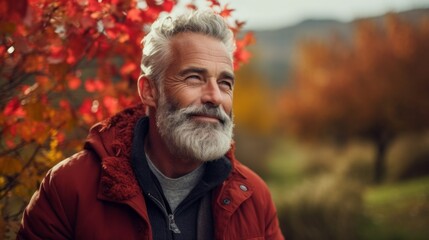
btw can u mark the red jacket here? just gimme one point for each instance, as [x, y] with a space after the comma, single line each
[95, 195]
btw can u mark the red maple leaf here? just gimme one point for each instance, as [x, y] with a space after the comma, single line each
[85, 107]
[73, 82]
[191, 6]
[134, 15]
[168, 5]
[238, 26]
[128, 67]
[57, 54]
[241, 55]
[111, 104]
[213, 3]
[226, 12]
[13, 10]
[13, 107]
[92, 85]
[64, 104]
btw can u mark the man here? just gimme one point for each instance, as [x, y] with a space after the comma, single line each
[164, 169]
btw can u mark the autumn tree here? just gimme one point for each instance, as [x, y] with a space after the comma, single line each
[374, 87]
[254, 117]
[64, 66]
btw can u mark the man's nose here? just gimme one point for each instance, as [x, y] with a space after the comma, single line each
[211, 93]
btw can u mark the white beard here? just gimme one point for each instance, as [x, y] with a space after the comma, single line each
[191, 139]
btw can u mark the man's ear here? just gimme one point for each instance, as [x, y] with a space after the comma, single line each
[147, 91]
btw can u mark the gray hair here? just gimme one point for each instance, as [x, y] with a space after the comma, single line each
[156, 45]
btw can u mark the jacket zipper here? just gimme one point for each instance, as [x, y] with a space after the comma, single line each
[170, 216]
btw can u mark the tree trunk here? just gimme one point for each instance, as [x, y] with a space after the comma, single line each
[380, 160]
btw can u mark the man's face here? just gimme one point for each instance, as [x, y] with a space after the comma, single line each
[194, 108]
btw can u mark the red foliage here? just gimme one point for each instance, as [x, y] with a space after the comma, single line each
[241, 55]
[64, 66]
[226, 12]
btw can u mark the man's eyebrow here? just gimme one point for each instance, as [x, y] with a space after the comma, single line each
[192, 70]
[228, 75]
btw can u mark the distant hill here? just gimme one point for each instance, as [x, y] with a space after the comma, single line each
[274, 49]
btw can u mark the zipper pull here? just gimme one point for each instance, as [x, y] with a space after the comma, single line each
[172, 224]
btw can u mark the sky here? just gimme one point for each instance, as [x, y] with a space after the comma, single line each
[272, 14]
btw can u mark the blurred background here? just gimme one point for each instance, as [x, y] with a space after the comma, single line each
[331, 108]
[333, 111]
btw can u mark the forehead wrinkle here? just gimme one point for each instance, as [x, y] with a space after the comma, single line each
[222, 64]
[197, 61]
[211, 55]
[207, 53]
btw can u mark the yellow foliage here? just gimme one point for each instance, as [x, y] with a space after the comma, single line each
[44, 82]
[34, 110]
[21, 191]
[41, 133]
[253, 103]
[52, 155]
[9, 165]
[29, 178]
[2, 181]
[34, 63]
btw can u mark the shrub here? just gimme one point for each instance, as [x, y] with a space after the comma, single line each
[408, 158]
[323, 208]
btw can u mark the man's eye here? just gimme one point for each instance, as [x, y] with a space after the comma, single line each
[227, 84]
[193, 78]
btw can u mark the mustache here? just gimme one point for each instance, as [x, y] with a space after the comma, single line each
[206, 110]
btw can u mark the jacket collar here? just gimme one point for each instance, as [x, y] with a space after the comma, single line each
[112, 141]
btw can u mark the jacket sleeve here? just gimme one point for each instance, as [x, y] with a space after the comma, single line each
[272, 229]
[272, 226]
[45, 217]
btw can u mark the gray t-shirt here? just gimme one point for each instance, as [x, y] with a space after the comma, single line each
[176, 189]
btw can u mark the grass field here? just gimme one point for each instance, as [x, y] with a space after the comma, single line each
[335, 200]
[397, 211]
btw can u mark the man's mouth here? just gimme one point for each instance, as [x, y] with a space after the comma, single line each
[206, 118]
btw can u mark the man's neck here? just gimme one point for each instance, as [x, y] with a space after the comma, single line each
[170, 165]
